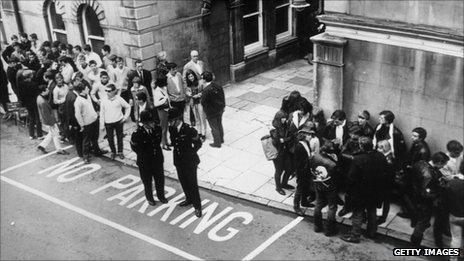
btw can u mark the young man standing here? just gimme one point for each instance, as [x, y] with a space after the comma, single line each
[100, 88]
[186, 143]
[213, 102]
[88, 122]
[112, 119]
[89, 56]
[176, 91]
[49, 122]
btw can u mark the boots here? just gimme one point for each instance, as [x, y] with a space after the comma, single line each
[331, 229]
[318, 225]
[416, 240]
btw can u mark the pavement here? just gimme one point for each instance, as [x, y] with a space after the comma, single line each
[239, 168]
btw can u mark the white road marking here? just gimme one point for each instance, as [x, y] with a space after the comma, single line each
[272, 239]
[32, 160]
[101, 220]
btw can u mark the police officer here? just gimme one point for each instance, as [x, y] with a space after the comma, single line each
[145, 142]
[186, 143]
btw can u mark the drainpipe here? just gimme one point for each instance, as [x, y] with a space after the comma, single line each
[17, 16]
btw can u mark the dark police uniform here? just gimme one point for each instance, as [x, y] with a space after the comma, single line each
[186, 143]
[146, 144]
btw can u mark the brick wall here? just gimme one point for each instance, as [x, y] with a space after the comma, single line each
[421, 88]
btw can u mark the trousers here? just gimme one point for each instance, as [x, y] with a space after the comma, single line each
[215, 122]
[188, 180]
[152, 171]
[110, 129]
[53, 134]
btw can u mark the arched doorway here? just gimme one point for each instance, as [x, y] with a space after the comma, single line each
[91, 31]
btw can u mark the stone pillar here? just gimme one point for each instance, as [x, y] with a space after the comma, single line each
[138, 16]
[328, 71]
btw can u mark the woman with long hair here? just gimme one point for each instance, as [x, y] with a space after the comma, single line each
[162, 104]
[194, 92]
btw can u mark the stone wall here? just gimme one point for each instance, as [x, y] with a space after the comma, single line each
[443, 13]
[422, 88]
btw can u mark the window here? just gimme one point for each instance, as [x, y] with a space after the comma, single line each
[253, 24]
[283, 22]
[56, 24]
[93, 33]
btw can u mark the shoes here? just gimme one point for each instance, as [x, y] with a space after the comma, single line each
[331, 232]
[381, 220]
[214, 145]
[62, 152]
[198, 212]
[203, 137]
[350, 239]
[413, 222]
[343, 212]
[298, 211]
[121, 155]
[87, 161]
[403, 215]
[307, 205]
[163, 200]
[113, 156]
[42, 149]
[280, 191]
[152, 203]
[184, 203]
[32, 137]
[287, 186]
[41, 138]
[100, 153]
[317, 229]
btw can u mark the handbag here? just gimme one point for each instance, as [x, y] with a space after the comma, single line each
[270, 151]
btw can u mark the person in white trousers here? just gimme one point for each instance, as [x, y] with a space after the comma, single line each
[49, 122]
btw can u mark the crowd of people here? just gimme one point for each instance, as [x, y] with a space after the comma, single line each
[76, 95]
[372, 167]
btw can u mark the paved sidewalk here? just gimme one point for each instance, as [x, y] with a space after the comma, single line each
[239, 167]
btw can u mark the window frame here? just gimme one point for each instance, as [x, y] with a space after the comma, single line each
[256, 45]
[88, 37]
[54, 30]
[289, 31]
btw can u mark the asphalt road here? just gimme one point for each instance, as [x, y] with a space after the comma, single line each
[55, 207]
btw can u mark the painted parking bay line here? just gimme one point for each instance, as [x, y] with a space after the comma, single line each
[272, 239]
[32, 160]
[101, 220]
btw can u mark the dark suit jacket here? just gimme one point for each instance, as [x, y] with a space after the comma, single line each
[186, 144]
[213, 100]
[365, 178]
[69, 109]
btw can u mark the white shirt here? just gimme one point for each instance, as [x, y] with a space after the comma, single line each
[198, 67]
[93, 78]
[111, 110]
[99, 88]
[120, 76]
[59, 94]
[339, 131]
[67, 72]
[93, 56]
[84, 112]
[452, 166]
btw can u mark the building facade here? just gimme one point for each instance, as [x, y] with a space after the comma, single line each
[403, 56]
[235, 38]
